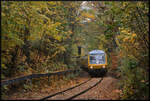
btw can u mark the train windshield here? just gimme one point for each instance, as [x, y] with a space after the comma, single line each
[97, 58]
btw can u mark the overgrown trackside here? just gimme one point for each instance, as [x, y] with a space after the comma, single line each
[19, 79]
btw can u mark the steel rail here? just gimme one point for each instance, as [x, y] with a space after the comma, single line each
[70, 98]
[65, 90]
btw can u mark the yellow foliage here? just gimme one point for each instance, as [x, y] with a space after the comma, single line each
[57, 37]
[88, 15]
[124, 31]
[132, 40]
[57, 23]
[62, 48]
[70, 32]
[125, 39]
[134, 35]
[3, 14]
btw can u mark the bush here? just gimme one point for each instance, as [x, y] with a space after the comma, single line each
[134, 83]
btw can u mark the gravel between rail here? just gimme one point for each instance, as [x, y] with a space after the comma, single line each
[76, 91]
[106, 90]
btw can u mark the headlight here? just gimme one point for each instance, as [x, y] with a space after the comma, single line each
[104, 66]
[91, 67]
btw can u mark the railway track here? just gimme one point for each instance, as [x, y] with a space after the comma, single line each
[75, 91]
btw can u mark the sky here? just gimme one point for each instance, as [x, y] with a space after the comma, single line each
[84, 6]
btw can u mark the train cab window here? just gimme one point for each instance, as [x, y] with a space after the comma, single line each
[92, 59]
[97, 59]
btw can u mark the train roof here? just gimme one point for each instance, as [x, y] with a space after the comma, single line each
[96, 52]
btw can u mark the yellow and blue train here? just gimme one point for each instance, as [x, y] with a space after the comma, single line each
[95, 62]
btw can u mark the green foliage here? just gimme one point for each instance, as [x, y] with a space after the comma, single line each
[134, 83]
[133, 44]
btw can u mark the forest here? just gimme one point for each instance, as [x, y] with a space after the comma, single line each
[43, 36]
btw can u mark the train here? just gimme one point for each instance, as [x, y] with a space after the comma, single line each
[95, 62]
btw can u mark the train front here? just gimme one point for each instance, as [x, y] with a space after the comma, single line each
[97, 60]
